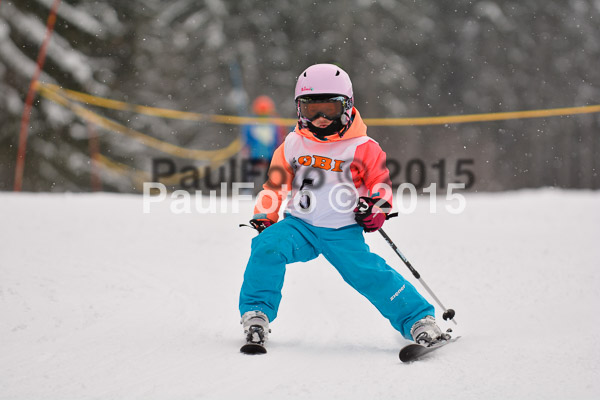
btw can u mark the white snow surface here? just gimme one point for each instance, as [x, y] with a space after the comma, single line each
[101, 301]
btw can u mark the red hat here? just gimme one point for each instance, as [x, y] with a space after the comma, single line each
[263, 105]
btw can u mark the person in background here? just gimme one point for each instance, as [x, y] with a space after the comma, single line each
[262, 139]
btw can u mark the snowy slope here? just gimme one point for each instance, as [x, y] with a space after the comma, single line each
[101, 301]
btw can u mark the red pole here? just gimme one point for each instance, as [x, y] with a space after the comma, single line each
[20, 165]
[94, 151]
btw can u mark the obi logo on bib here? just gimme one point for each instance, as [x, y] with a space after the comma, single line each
[320, 162]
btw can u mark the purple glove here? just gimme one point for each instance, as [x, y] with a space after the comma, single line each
[368, 215]
[260, 224]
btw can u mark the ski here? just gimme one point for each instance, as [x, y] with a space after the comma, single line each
[255, 341]
[253, 348]
[415, 351]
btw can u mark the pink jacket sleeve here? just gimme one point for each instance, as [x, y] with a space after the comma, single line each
[369, 169]
[276, 188]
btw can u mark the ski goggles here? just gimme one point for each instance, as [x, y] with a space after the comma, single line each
[330, 108]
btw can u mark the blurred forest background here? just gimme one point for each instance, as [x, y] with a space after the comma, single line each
[406, 59]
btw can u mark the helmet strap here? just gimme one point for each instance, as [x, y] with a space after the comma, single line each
[335, 127]
[322, 133]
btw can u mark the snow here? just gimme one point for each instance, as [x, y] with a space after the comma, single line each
[99, 300]
[78, 18]
[11, 56]
[59, 49]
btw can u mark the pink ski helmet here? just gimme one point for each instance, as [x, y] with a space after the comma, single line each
[321, 80]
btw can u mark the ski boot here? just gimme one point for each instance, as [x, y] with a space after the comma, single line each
[256, 329]
[426, 332]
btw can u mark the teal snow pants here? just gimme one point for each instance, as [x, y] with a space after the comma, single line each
[293, 240]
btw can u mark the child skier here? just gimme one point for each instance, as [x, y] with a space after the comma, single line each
[330, 165]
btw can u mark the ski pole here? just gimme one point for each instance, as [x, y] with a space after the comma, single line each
[448, 313]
